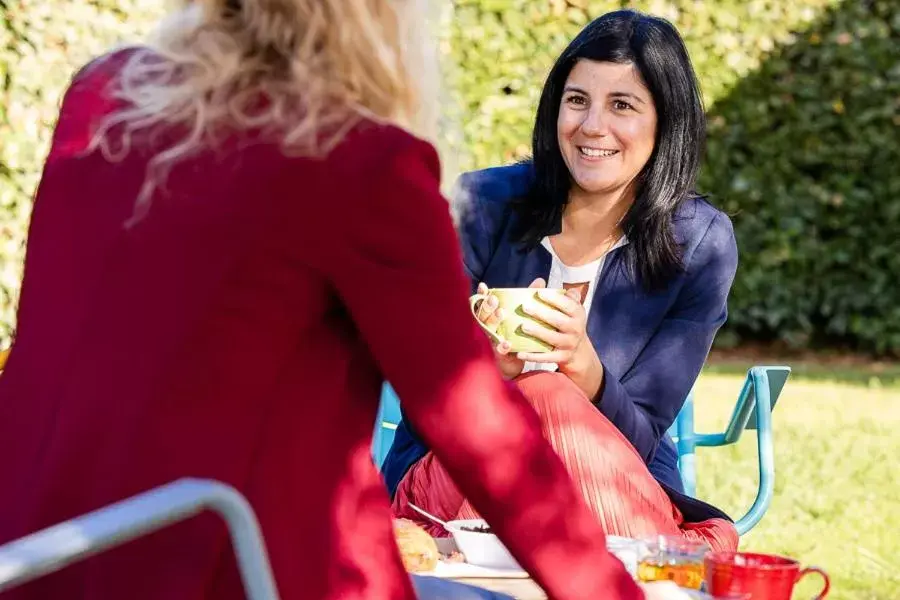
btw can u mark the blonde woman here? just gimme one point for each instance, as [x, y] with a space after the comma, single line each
[235, 240]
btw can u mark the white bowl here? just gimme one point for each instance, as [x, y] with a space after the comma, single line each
[481, 549]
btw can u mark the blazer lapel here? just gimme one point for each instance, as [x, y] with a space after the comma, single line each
[512, 266]
[534, 263]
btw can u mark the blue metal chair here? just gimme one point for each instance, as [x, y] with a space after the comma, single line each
[753, 411]
[51, 549]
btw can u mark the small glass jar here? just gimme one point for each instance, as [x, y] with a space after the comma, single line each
[673, 558]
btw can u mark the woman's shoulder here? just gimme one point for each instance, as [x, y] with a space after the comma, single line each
[495, 185]
[697, 218]
[108, 66]
[484, 198]
[705, 233]
[372, 151]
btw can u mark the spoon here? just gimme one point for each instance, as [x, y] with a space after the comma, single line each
[430, 516]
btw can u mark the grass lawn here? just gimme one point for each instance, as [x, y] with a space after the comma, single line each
[837, 490]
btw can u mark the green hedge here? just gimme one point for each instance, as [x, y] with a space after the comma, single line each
[806, 153]
[803, 151]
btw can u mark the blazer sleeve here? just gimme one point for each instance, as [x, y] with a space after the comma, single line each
[395, 263]
[644, 402]
[482, 221]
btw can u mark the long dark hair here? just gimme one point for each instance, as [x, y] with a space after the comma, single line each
[656, 49]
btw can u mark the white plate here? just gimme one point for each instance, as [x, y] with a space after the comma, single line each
[452, 570]
[462, 570]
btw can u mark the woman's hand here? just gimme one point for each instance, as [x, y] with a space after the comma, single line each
[566, 315]
[572, 348]
[490, 313]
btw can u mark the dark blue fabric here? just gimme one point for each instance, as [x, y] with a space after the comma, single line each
[664, 466]
[652, 345]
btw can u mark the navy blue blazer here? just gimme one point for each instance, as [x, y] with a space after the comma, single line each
[652, 345]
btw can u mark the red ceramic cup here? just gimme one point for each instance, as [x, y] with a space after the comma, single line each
[762, 576]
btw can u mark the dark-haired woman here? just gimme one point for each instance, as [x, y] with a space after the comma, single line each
[605, 209]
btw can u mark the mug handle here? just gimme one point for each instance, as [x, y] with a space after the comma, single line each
[473, 302]
[824, 575]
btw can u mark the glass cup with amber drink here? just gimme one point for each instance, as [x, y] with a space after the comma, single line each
[671, 558]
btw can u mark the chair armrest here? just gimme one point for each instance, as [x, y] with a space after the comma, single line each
[752, 411]
[741, 415]
[711, 440]
[53, 548]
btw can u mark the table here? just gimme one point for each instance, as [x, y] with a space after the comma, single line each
[521, 589]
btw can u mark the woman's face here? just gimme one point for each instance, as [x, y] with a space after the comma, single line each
[606, 125]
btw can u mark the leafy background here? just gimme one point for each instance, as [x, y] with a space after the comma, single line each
[804, 146]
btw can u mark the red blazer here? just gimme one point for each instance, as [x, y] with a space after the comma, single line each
[241, 332]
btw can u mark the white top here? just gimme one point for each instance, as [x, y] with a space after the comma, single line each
[563, 276]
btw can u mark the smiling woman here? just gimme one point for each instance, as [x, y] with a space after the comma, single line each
[606, 210]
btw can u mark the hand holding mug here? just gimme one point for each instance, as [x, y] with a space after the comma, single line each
[568, 336]
[490, 314]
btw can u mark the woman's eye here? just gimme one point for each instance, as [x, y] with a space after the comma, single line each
[622, 105]
[576, 100]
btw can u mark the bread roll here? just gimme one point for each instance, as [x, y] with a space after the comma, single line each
[417, 548]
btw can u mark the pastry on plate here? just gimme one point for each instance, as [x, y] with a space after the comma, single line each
[417, 548]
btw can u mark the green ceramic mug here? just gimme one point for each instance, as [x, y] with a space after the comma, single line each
[511, 300]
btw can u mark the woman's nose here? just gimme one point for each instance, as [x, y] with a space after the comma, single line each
[595, 122]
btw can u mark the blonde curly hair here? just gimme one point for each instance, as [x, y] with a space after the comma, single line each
[301, 72]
